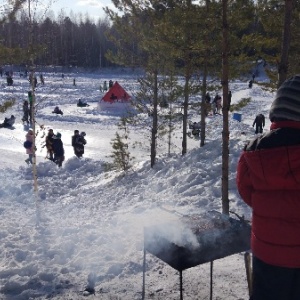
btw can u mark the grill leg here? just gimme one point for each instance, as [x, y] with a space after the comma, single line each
[248, 268]
[211, 279]
[180, 279]
[144, 271]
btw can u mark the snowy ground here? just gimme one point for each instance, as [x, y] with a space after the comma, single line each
[86, 225]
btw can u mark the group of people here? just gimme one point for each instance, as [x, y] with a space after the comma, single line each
[104, 88]
[55, 146]
[216, 105]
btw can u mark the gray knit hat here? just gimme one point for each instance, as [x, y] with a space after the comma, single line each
[287, 101]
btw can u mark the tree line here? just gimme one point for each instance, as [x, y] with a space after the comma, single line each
[62, 42]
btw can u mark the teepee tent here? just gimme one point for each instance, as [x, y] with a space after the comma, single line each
[116, 94]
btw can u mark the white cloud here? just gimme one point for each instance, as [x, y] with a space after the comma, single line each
[94, 3]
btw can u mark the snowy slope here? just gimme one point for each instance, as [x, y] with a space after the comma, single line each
[86, 224]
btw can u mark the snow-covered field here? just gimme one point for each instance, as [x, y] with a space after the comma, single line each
[85, 226]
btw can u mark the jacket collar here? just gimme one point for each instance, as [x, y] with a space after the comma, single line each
[282, 124]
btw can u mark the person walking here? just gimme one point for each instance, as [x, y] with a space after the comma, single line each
[25, 118]
[268, 180]
[49, 144]
[259, 121]
[30, 146]
[58, 149]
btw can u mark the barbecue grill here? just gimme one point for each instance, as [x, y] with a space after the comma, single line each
[195, 240]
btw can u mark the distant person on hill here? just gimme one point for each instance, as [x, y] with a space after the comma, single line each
[110, 83]
[268, 180]
[57, 111]
[9, 80]
[30, 99]
[8, 122]
[26, 112]
[58, 149]
[260, 123]
[229, 100]
[207, 103]
[29, 146]
[80, 103]
[42, 79]
[104, 85]
[217, 104]
[250, 84]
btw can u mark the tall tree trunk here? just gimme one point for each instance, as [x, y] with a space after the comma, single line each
[285, 45]
[225, 132]
[185, 113]
[154, 122]
[203, 106]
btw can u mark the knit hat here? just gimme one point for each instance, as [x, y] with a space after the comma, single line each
[58, 135]
[286, 105]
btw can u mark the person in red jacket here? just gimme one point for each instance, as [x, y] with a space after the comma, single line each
[268, 180]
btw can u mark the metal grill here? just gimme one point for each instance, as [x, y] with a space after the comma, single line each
[196, 239]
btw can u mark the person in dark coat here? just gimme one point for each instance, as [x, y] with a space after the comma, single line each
[31, 110]
[9, 80]
[229, 100]
[207, 103]
[58, 150]
[57, 111]
[26, 112]
[8, 122]
[30, 150]
[259, 122]
[49, 144]
[42, 79]
[268, 180]
[78, 142]
[80, 103]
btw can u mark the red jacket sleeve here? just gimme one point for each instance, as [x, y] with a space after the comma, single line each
[243, 180]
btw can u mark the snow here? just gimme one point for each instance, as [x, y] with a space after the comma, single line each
[84, 228]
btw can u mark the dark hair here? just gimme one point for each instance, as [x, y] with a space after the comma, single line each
[76, 131]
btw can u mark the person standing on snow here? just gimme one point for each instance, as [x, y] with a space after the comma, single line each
[229, 100]
[268, 180]
[58, 149]
[49, 144]
[78, 142]
[25, 112]
[260, 123]
[30, 149]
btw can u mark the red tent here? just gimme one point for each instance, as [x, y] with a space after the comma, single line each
[116, 94]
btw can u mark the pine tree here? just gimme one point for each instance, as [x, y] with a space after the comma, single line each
[121, 155]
